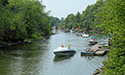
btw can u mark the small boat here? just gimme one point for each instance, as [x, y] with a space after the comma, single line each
[88, 52]
[103, 44]
[54, 31]
[93, 40]
[72, 30]
[85, 35]
[61, 51]
[55, 28]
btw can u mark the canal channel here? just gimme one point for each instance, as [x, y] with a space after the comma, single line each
[37, 58]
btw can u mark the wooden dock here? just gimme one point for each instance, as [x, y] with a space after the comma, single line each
[96, 50]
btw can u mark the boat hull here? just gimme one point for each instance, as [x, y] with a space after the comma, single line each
[93, 42]
[87, 53]
[64, 53]
[85, 36]
[61, 51]
[72, 31]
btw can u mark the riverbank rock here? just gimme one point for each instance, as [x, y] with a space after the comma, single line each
[97, 72]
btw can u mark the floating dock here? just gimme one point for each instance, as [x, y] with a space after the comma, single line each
[96, 50]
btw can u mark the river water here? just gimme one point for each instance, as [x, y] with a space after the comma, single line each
[37, 58]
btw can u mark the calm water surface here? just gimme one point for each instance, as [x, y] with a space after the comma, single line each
[37, 58]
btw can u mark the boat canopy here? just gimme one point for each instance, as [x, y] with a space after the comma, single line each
[93, 37]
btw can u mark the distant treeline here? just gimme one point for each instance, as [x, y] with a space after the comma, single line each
[107, 16]
[87, 21]
[21, 20]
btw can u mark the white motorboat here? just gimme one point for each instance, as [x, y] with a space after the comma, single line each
[54, 31]
[93, 40]
[61, 51]
[72, 30]
[85, 35]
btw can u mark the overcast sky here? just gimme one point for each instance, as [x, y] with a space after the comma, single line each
[61, 8]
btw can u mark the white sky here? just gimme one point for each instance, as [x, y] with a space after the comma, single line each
[61, 8]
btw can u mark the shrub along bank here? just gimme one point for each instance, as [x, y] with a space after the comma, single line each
[22, 21]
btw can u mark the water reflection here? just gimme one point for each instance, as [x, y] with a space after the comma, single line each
[22, 59]
[88, 57]
[61, 58]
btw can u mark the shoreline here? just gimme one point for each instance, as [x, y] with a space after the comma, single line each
[21, 43]
[80, 30]
[24, 42]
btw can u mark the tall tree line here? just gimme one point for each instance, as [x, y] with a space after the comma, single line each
[23, 19]
[113, 20]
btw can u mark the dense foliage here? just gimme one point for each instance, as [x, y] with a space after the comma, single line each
[54, 21]
[113, 19]
[22, 19]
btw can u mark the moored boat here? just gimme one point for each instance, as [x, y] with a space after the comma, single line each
[93, 40]
[61, 51]
[72, 30]
[85, 35]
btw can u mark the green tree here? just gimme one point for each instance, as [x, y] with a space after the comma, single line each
[54, 21]
[70, 21]
[113, 19]
[78, 17]
[88, 20]
[23, 19]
